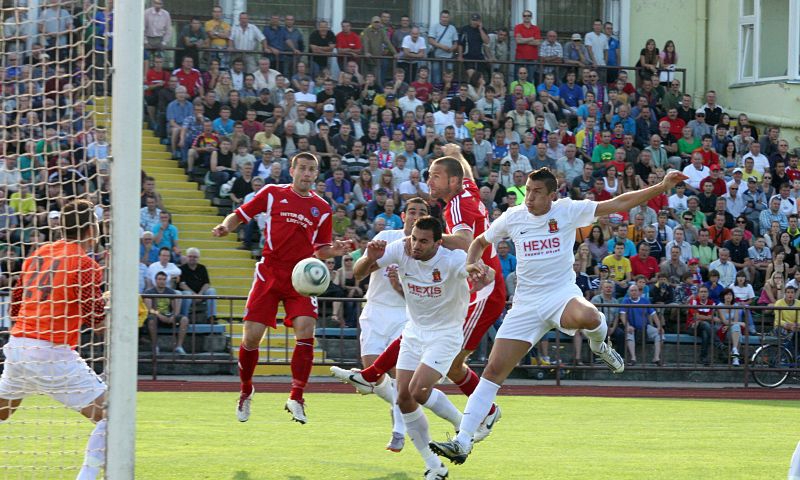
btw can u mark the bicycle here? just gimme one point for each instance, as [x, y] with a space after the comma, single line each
[776, 357]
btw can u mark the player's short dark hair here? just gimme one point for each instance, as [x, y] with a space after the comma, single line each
[161, 274]
[431, 224]
[416, 201]
[544, 175]
[451, 166]
[76, 218]
[304, 155]
[164, 248]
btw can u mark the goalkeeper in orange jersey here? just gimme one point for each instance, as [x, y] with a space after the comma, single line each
[59, 292]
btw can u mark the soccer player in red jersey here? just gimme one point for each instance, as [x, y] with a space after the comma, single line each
[59, 292]
[298, 226]
[450, 179]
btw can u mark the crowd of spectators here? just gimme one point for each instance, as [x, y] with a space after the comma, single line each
[377, 106]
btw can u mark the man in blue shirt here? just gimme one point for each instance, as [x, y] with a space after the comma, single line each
[224, 124]
[571, 94]
[165, 235]
[178, 111]
[622, 237]
[507, 261]
[613, 54]
[393, 221]
[276, 38]
[639, 321]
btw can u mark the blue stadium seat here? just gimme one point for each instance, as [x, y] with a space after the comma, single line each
[332, 332]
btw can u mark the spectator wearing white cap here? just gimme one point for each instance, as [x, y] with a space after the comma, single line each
[576, 53]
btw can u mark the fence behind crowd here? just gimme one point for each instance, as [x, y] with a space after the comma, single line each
[768, 357]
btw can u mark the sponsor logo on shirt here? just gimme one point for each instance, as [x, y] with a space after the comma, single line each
[437, 276]
[552, 224]
[315, 211]
[547, 246]
[424, 292]
[299, 218]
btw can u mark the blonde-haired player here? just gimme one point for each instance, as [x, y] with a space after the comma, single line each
[59, 291]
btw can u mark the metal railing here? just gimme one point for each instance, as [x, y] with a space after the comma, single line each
[384, 65]
[338, 340]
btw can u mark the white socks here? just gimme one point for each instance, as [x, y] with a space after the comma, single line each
[385, 389]
[478, 406]
[597, 337]
[95, 457]
[794, 468]
[439, 404]
[417, 426]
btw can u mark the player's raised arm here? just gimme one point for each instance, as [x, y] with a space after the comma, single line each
[476, 249]
[460, 240]
[453, 150]
[628, 200]
[368, 262]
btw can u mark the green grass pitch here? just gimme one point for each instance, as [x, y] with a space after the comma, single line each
[196, 436]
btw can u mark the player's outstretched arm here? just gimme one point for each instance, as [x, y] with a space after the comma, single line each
[227, 226]
[335, 249]
[628, 200]
[368, 262]
[453, 150]
[460, 240]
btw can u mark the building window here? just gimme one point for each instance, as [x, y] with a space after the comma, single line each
[259, 11]
[361, 11]
[494, 13]
[769, 42]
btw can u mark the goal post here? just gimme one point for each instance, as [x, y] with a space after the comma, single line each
[126, 127]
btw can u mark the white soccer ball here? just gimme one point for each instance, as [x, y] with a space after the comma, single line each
[310, 277]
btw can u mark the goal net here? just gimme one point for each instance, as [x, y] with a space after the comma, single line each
[56, 149]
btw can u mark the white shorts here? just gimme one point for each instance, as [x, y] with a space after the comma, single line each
[380, 326]
[435, 348]
[530, 318]
[38, 367]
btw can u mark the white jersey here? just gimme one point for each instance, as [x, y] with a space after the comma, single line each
[436, 290]
[544, 244]
[380, 291]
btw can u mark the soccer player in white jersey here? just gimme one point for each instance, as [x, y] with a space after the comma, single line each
[434, 281]
[543, 231]
[383, 318]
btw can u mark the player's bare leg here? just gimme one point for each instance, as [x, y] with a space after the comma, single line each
[7, 408]
[467, 381]
[580, 314]
[386, 389]
[95, 454]
[302, 362]
[504, 357]
[253, 333]
[414, 389]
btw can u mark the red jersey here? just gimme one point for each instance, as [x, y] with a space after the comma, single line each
[792, 173]
[710, 157]
[659, 202]
[691, 317]
[192, 80]
[465, 211]
[675, 126]
[527, 52]
[296, 226]
[647, 267]
[59, 291]
[350, 40]
[157, 79]
[423, 90]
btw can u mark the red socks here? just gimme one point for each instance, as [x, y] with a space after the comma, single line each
[385, 362]
[469, 384]
[302, 361]
[247, 365]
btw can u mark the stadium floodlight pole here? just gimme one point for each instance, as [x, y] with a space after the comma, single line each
[125, 185]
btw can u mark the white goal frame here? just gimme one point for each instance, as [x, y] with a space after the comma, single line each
[126, 129]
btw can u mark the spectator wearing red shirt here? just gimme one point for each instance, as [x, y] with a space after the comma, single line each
[599, 190]
[699, 320]
[676, 123]
[423, 85]
[716, 179]
[155, 79]
[528, 38]
[718, 232]
[190, 77]
[250, 125]
[644, 264]
[710, 156]
[348, 43]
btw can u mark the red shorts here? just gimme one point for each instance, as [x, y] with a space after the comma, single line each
[272, 285]
[482, 314]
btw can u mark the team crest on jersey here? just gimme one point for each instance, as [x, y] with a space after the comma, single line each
[437, 276]
[315, 211]
[552, 225]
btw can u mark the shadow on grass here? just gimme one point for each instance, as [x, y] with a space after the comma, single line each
[393, 476]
